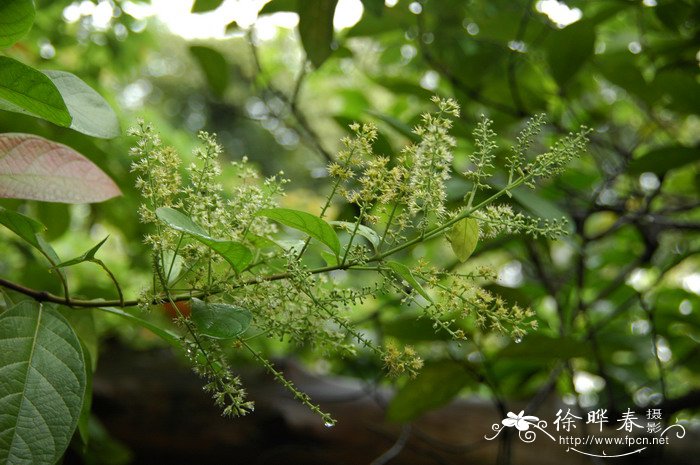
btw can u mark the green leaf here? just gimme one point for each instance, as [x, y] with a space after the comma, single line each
[405, 273]
[220, 321]
[464, 236]
[84, 417]
[397, 125]
[663, 159]
[91, 113]
[202, 6]
[306, 222]
[25, 227]
[436, 385]
[43, 373]
[16, 19]
[55, 216]
[235, 253]
[24, 89]
[376, 7]
[316, 29]
[168, 336]
[364, 231]
[541, 348]
[277, 6]
[83, 323]
[86, 257]
[214, 67]
[568, 49]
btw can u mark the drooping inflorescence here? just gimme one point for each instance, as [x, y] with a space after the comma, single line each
[230, 247]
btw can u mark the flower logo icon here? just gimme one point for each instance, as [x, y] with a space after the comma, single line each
[520, 421]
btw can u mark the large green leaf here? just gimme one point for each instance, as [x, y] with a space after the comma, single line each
[91, 113]
[569, 49]
[316, 29]
[214, 67]
[436, 385]
[43, 383]
[541, 348]
[202, 6]
[168, 336]
[236, 254]
[663, 159]
[220, 321]
[16, 19]
[463, 237]
[405, 273]
[24, 89]
[35, 168]
[306, 222]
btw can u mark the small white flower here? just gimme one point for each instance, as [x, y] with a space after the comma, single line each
[520, 421]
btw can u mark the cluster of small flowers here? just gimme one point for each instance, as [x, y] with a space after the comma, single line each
[431, 160]
[500, 219]
[482, 158]
[203, 197]
[209, 363]
[466, 298]
[399, 361]
[158, 177]
[249, 196]
[557, 158]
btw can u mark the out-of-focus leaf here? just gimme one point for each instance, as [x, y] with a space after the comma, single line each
[214, 67]
[35, 168]
[537, 347]
[219, 320]
[277, 6]
[411, 328]
[316, 29]
[463, 236]
[23, 89]
[56, 217]
[405, 273]
[397, 125]
[202, 6]
[663, 159]
[305, 222]
[16, 19]
[44, 377]
[376, 7]
[569, 49]
[235, 253]
[364, 231]
[436, 385]
[91, 113]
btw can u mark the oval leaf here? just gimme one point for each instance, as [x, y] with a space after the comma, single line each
[316, 29]
[91, 114]
[35, 168]
[220, 321]
[16, 19]
[405, 273]
[436, 385]
[236, 254]
[24, 89]
[214, 66]
[44, 378]
[464, 236]
[569, 49]
[306, 222]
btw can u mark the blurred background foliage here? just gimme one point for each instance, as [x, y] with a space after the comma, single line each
[618, 300]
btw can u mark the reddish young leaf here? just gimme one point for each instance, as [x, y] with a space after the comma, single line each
[35, 168]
